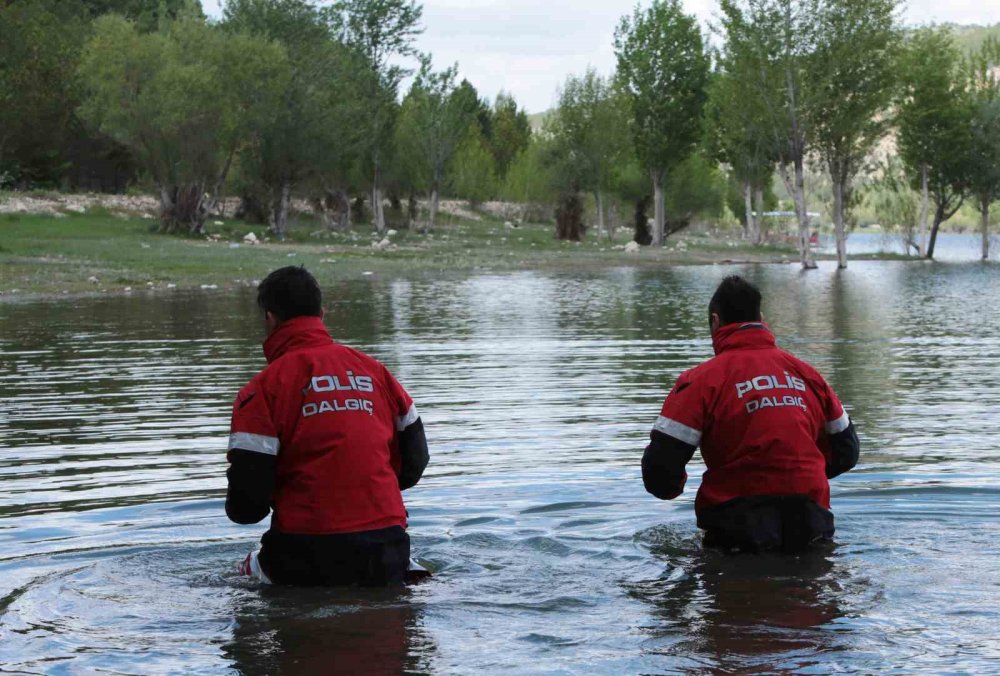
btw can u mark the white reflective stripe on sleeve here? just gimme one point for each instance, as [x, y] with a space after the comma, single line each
[253, 442]
[404, 421]
[688, 435]
[838, 425]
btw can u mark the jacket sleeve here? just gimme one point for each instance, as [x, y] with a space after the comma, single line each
[253, 457]
[843, 448]
[410, 454]
[675, 436]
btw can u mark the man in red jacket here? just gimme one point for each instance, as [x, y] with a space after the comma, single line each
[326, 438]
[771, 430]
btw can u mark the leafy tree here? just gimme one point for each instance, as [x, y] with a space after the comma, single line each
[770, 42]
[310, 136]
[984, 170]
[148, 15]
[472, 173]
[530, 178]
[852, 78]
[381, 31]
[664, 71]
[934, 120]
[40, 45]
[174, 100]
[589, 130]
[508, 131]
[433, 119]
[738, 135]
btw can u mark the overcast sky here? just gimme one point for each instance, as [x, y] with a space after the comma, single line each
[528, 47]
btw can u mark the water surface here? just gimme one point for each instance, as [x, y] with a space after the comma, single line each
[538, 391]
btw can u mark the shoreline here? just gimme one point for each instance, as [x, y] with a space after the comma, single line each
[47, 257]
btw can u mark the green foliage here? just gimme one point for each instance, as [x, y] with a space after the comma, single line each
[433, 119]
[148, 15]
[531, 176]
[39, 50]
[508, 131]
[852, 80]
[589, 132]
[664, 71]
[180, 100]
[934, 118]
[472, 174]
[984, 169]
[697, 188]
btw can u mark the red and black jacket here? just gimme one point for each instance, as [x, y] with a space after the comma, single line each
[325, 436]
[767, 423]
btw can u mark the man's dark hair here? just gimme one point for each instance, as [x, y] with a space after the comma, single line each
[290, 292]
[736, 300]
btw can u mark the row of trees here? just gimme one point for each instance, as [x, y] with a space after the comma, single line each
[293, 97]
[795, 83]
[280, 97]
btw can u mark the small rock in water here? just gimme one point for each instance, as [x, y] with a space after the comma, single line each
[292, 254]
[234, 245]
[128, 289]
[171, 286]
[367, 273]
[210, 286]
[632, 247]
[250, 238]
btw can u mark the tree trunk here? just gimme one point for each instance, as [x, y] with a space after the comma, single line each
[378, 210]
[984, 225]
[758, 198]
[569, 218]
[938, 219]
[924, 211]
[659, 210]
[803, 215]
[838, 221]
[281, 203]
[167, 194]
[642, 235]
[612, 221]
[432, 217]
[600, 211]
[748, 205]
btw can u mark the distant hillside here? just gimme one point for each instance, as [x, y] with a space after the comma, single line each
[970, 38]
[536, 120]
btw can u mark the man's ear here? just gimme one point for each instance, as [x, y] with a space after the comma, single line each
[271, 321]
[714, 322]
[322, 313]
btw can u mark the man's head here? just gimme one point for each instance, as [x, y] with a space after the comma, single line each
[735, 301]
[287, 293]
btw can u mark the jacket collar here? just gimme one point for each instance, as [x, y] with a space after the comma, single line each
[295, 334]
[740, 336]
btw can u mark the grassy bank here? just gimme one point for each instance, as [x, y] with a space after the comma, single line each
[101, 252]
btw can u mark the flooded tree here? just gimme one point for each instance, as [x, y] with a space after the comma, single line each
[852, 81]
[664, 70]
[985, 149]
[769, 42]
[934, 122]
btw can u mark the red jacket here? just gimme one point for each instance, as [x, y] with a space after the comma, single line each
[761, 416]
[331, 415]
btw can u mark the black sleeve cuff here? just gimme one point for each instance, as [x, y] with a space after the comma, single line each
[663, 463]
[414, 454]
[844, 452]
[251, 485]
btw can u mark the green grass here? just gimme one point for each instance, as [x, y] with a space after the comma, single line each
[45, 255]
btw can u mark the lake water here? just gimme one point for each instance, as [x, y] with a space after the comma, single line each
[538, 391]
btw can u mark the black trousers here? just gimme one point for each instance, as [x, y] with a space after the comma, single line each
[377, 558]
[787, 523]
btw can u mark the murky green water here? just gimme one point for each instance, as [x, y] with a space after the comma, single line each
[538, 392]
